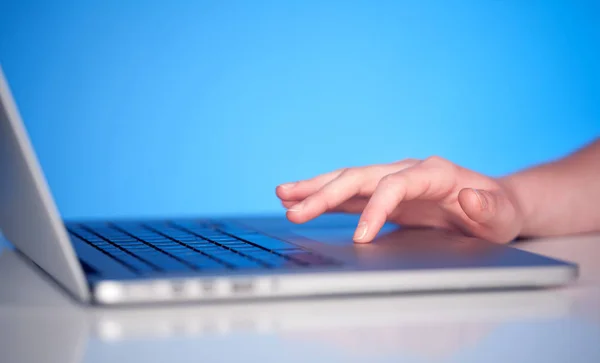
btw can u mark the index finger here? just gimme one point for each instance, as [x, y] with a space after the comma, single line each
[299, 190]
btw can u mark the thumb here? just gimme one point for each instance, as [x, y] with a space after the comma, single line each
[495, 215]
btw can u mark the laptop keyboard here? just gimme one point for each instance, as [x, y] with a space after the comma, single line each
[183, 246]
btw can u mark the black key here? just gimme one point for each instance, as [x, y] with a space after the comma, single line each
[163, 260]
[208, 249]
[234, 229]
[180, 254]
[237, 261]
[204, 262]
[138, 248]
[222, 238]
[188, 238]
[202, 244]
[176, 247]
[235, 243]
[218, 251]
[179, 249]
[131, 244]
[157, 238]
[248, 247]
[101, 244]
[161, 242]
[215, 252]
[135, 263]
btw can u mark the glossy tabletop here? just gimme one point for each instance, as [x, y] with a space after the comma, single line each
[39, 323]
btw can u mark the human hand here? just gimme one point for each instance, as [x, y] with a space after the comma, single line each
[433, 192]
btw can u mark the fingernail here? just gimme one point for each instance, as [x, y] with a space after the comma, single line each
[361, 231]
[287, 185]
[296, 207]
[482, 199]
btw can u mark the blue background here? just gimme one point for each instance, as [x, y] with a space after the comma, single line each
[201, 107]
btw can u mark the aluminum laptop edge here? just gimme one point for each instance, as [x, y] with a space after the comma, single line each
[228, 259]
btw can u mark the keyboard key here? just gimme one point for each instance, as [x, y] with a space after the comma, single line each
[234, 229]
[163, 261]
[236, 244]
[204, 262]
[188, 238]
[248, 248]
[237, 261]
[133, 261]
[200, 243]
[174, 246]
[218, 251]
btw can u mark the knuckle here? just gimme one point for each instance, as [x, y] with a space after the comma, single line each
[345, 171]
[376, 169]
[408, 161]
[440, 163]
[435, 160]
[351, 173]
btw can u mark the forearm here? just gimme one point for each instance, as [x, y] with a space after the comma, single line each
[560, 197]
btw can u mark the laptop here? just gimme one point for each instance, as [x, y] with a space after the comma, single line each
[66, 332]
[129, 261]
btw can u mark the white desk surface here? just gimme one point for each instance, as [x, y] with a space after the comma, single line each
[38, 323]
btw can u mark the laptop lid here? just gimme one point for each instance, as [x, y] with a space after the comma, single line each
[29, 218]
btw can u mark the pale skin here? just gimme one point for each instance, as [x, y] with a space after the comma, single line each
[556, 198]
